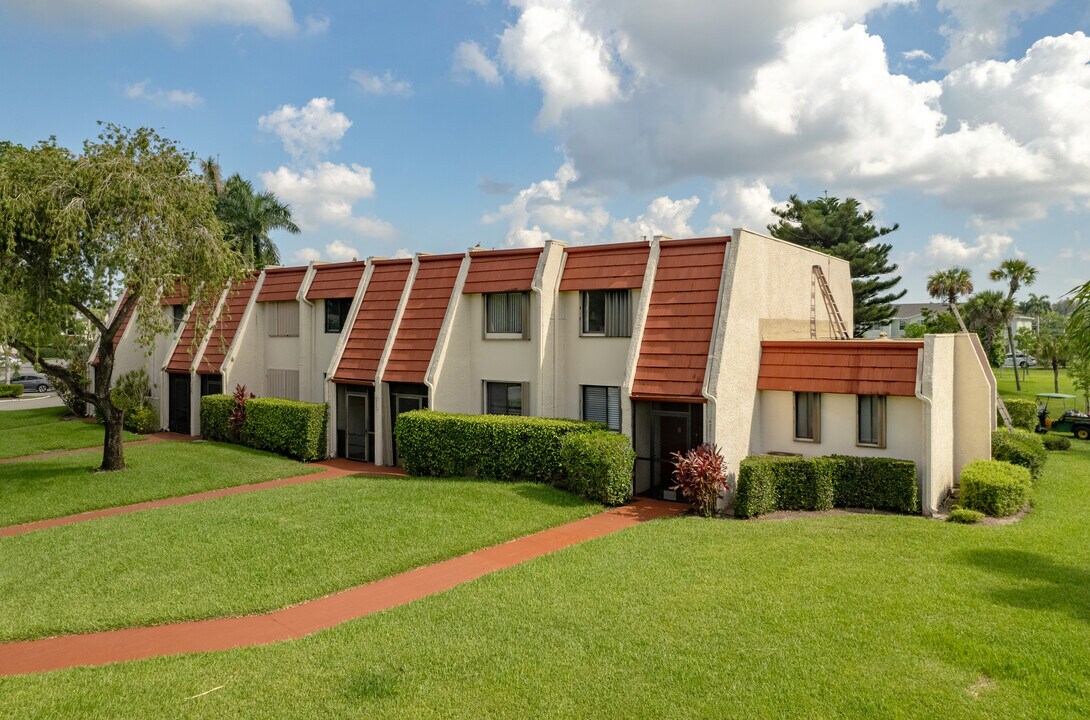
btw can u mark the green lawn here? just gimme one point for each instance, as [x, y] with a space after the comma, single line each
[1040, 381]
[67, 484]
[246, 554]
[30, 432]
[826, 617]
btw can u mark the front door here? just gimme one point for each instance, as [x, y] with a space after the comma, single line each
[405, 397]
[179, 402]
[672, 434]
[358, 427]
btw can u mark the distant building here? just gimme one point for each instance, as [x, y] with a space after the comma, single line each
[909, 313]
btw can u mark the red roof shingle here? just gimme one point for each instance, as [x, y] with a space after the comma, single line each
[281, 284]
[226, 327]
[860, 367]
[182, 358]
[678, 332]
[424, 312]
[605, 267]
[336, 280]
[497, 271]
[371, 326]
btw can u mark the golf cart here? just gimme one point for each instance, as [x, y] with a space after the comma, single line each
[1069, 419]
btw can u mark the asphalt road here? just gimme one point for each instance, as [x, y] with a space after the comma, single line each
[29, 400]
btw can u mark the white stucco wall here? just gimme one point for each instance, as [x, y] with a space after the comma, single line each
[937, 387]
[588, 360]
[974, 403]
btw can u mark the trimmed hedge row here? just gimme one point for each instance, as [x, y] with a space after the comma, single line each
[10, 390]
[498, 447]
[1020, 448]
[599, 465]
[994, 487]
[286, 427]
[1023, 414]
[768, 483]
[1056, 442]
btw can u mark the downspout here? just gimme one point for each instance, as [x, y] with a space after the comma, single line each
[925, 471]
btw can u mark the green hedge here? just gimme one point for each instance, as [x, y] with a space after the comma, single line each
[994, 487]
[768, 483]
[499, 447]
[599, 465]
[286, 427]
[1020, 448]
[1056, 442]
[965, 516]
[215, 416]
[10, 390]
[1023, 414]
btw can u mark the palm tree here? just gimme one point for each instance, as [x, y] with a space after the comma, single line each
[1016, 273]
[985, 313]
[213, 176]
[950, 284]
[250, 217]
[1053, 350]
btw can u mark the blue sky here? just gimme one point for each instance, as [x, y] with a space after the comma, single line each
[434, 126]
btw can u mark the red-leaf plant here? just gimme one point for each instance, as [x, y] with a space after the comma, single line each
[699, 475]
[238, 412]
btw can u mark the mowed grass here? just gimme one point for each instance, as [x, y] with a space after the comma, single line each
[824, 617]
[30, 432]
[1040, 380]
[68, 484]
[250, 553]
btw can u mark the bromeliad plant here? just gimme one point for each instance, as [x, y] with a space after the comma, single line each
[238, 412]
[699, 475]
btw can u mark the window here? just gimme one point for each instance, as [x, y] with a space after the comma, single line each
[872, 420]
[211, 385]
[505, 313]
[177, 314]
[336, 314]
[607, 312]
[282, 384]
[808, 416]
[282, 319]
[503, 398]
[602, 404]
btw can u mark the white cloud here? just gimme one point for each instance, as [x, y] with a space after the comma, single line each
[166, 98]
[325, 194]
[979, 29]
[988, 248]
[305, 255]
[913, 55]
[174, 17]
[747, 205]
[385, 84]
[340, 252]
[470, 59]
[307, 132]
[314, 26]
[403, 253]
[664, 216]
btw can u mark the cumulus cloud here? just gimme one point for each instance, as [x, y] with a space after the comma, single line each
[307, 132]
[946, 250]
[664, 216]
[741, 204]
[335, 251]
[914, 55]
[325, 194]
[384, 84]
[174, 17]
[166, 98]
[471, 60]
[979, 29]
[306, 255]
[314, 26]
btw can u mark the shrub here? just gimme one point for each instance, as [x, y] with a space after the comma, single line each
[994, 487]
[287, 427]
[1023, 414]
[498, 447]
[699, 475]
[964, 516]
[131, 390]
[1021, 448]
[237, 417]
[876, 483]
[10, 390]
[1057, 442]
[804, 484]
[599, 465]
[143, 420]
[756, 494]
[78, 355]
[215, 414]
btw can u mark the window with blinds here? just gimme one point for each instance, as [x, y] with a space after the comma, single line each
[602, 404]
[282, 384]
[503, 398]
[607, 313]
[282, 319]
[505, 313]
[808, 416]
[872, 420]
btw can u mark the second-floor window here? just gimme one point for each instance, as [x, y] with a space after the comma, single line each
[282, 319]
[607, 313]
[177, 314]
[505, 313]
[336, 314]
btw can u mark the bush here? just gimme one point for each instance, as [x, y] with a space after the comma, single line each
[1023, 414]
[1020, 448]
[876, 483]
[10, 390]
[142, 420]
[498, 447]
[756, 494]
[804, 484]
[1056, 442]
[131, 390]
[599, 465]
[286, 427]
[699, 475]
[215, 415]
[964, 516]
[994, 487]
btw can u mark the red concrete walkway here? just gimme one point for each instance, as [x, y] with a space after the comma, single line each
[32, 656]
[335, 467]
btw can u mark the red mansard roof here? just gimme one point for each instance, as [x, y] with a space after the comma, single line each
[495, 271]
[849, 367]
[605, 267]
[419, 328]
[371, 326]
[281, 284]
[336, 280]
[223, 334]
[182, 358]
[678, 334]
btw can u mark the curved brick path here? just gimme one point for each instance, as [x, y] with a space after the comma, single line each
[31, 656]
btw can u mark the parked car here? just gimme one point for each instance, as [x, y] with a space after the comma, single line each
[33, 381]
[1024, 360]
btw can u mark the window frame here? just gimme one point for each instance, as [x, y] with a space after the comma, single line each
[524, 317]
[620, 410]
[177, 318]
[815, 417]
[344, 305]
[584, 306]
[523, 397]
[882, 421]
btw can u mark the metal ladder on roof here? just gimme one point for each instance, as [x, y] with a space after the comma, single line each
[818, 282]
[1002, 406]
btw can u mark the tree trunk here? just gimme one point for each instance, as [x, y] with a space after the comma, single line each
[1056, 376]
[113, 457]
[1014, 358]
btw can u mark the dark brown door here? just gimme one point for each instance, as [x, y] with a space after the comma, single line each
[179, 404]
